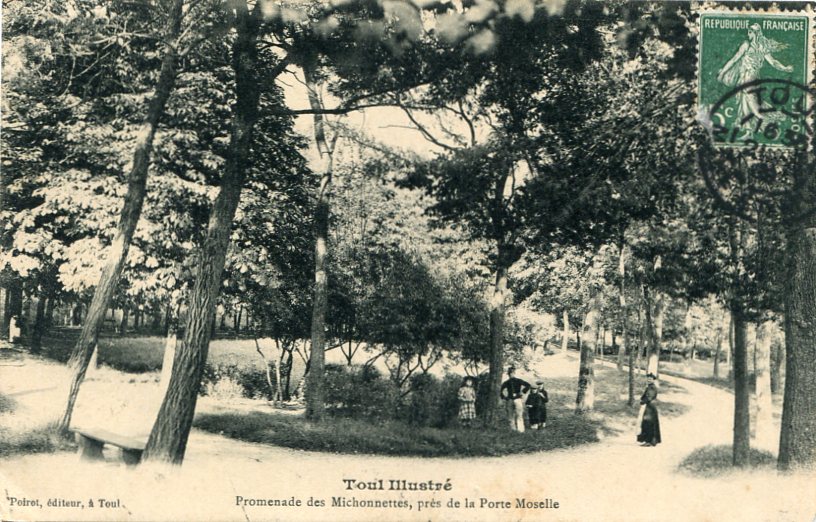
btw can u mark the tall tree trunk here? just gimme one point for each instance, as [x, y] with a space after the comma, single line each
[39, 324]
[718, 352]
[631, 398]
[578, 337]
[641, 330]
[737, 238]
[278, 363]
[286, 376]
[49, 311]
[498, 301]
[777, 360]
[236, 323]
[15, 304]
[76, 314]
[684, 338]
[131, 210]
[497, 317]
[25, 320]
[622, 302]
[123, 324]
[169, 320]
[4, 319]
[315, 396]
[350, 354]
[729, 355]
[170, 344]
[654, 330]
[742, 413]
[797, 444]
[168, 438]
[565, 333]
[268, 371]
[659, 316]
[156, 327]
[762, 370]
[585, 398]
[4, 297]
[600, 340]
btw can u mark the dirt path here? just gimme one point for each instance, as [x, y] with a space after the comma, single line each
[613, 480]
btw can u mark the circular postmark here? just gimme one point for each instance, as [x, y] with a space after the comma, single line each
[764, 113]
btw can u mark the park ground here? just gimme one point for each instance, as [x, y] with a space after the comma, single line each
[611, 479]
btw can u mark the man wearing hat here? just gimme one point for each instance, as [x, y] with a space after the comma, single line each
[512, 391]
[537, 406]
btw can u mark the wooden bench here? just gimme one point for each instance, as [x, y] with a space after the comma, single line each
[92, 440]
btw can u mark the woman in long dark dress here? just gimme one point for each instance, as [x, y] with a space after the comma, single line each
[650, 425]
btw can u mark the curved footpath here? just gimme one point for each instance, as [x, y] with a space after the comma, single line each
[615, 479]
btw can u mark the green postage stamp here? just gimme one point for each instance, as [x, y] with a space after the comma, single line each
[753, 77]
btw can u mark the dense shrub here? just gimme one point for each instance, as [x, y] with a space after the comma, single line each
[359, 392]
[432, 402]
[362, 392]
[482, 393]
[231, 381]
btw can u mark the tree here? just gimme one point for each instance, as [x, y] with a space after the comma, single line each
[131, 210]
[325, 149]
[756, 212]
[762, 390]
[478, 181]
[585, 398]
[797, 445]
[168, 438]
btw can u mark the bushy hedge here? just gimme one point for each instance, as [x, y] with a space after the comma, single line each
[482, 392]
[359, 392]
[231, 379]
[432, 402]
[364, 393]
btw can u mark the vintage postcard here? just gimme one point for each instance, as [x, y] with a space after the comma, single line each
[546, 260]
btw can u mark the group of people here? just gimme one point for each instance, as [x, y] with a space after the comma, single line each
[520, 396]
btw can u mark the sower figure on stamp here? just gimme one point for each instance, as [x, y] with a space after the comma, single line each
[745, 66]
[513, 391]
[537, 406]
[650, 423]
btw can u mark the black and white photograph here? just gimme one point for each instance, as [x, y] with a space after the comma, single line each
[407, 260]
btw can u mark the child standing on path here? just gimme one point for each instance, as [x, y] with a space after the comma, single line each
[537, 406]
[467, 402]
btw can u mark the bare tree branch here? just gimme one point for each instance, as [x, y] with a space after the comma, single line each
[424, 131]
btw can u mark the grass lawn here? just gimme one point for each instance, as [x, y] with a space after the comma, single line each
[393, 437]
[376, 435]
[144, 354]
[343, 435]
[37, 440]
[714, 461]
